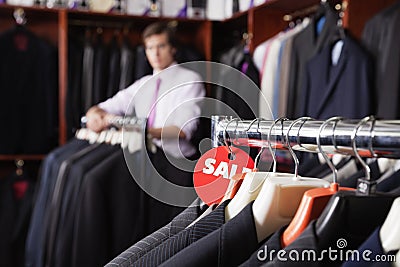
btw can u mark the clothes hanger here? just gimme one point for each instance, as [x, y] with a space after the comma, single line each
[314, 200]
[389, 233]
[280, 196]
[250, 187]
[353, 215]
[235, 181]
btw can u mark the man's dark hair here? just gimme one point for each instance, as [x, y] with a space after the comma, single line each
[159, 28]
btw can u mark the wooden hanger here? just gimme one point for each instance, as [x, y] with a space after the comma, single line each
[314, 200]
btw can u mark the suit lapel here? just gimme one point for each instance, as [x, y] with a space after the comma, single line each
[334, 75]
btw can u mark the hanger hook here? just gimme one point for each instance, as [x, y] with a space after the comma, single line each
[256, 160]
[327, 159]
[304, 119]
[295, 158]
[371, 139]
[269, 141]
[353, 144]
[231, 155]
[334, 136]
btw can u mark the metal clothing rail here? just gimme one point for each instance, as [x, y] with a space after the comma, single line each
[372, 138]
[122, 122]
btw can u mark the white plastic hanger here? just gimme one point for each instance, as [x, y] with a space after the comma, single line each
[390, 230]
[249, 189]
[280, 196]
[397, 263]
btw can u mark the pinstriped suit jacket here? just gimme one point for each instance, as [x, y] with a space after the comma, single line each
[129, 256]
[229, 245]
[176, 243]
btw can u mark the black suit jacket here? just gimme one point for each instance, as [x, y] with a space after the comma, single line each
[65, 200]
[107, 213]
[14, 219]
[381, 38]
[114, 68]
[29, 90]
[341, 90]
[264, 253]
[305, 45]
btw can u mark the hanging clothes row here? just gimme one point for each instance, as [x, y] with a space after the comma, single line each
[239, 98]
[283, 219]
[28, 82]
[315, 69]
[88, 207]
[98, 69]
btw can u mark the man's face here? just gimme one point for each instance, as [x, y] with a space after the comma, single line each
[158, 51]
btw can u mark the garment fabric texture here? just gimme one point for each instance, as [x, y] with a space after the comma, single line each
[64, 201]
[306, 44]
[372, 243]
[107, 217]
[380, 36]
[35, 241]
[267, 251]
[344, 89]
[183, 239]
[177, 224]
[220, 248]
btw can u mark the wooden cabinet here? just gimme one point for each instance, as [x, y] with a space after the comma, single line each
[208, 37]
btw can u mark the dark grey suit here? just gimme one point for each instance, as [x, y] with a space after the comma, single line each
[180, 222]
[381, 38]
[176, 243]
[230, 245]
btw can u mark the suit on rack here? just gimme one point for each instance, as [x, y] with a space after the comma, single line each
[127, 65]
[65, 199]
[381, 38]
[305, 45]
[183, 239]
[28, 100]
[229, 245]
[177, 224]
[114, 70]
[109, 201]
[373, 244]
[100, 67]
[34, 251]
[15, 211]
[344, 89]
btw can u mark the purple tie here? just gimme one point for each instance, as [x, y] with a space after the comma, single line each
[152, 115]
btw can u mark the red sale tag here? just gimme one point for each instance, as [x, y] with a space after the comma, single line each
[214, 169]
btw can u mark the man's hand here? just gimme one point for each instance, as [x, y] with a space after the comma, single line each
[97, 119]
